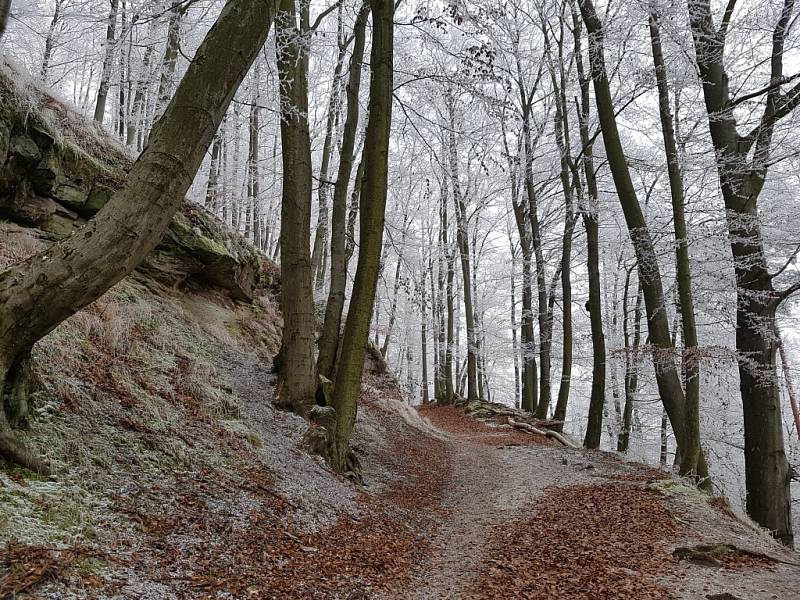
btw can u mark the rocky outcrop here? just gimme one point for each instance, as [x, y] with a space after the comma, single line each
[57, 170]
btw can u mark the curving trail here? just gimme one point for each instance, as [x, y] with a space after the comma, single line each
[522, 518]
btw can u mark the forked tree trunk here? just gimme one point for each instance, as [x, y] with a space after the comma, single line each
[669, 384]
[376, 166]
[297, 365]
[78, 270]
[329, 341]
[767, 473]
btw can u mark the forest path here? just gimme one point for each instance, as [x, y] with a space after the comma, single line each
[522, 518]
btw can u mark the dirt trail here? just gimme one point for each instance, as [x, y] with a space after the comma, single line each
[609, 536]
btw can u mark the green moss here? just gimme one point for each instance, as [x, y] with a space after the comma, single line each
[676, 487]
[209, 246]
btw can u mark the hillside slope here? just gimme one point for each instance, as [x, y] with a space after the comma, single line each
[175, 477]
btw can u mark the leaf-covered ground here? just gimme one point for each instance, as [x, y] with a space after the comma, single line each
[470, 510]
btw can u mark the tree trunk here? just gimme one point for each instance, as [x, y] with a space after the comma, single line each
[514, 344]
[297, 364]
[631, 361]
[767, 473]
[462, 240]
[545, 341]
[376, 157]
[49, 41]
[170, 59]
[79, 269]
[669, 384]
[320, 249]
[787, 376]
[329, 340]
[563, 142]
[530, 392]
[105, 78]
[690, 452]
[424, 336]
[212, 191]
[5, 10]
[590, 214]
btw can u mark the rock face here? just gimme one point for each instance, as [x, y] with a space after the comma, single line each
[57, 170]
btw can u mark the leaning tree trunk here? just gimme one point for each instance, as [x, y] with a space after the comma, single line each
[79, 269]
[329, 340]
[376, 174]
[690, 452]
[667, 379]
[297, 364]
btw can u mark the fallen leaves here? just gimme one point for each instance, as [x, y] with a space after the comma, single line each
[453, 420]
[24, 566]
[583, 543]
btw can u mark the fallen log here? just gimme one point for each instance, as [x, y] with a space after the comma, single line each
[545, 432]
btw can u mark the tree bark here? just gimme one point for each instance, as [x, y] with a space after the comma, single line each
[669, 384]
[5, 10]
[320, 249]
[329, 340]
[767, 473]
[170, 59]
[462, 241]
[297, 364]
[590, 215]
[105, 77]
[78, 270]
[376, 157]
[49, 41]
[690, 450]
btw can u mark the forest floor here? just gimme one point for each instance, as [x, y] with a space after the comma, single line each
[524, 518]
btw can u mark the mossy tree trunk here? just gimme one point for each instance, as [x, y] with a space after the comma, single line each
[376, 166]
[40, 292]
[298, 366]
[329, 341]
